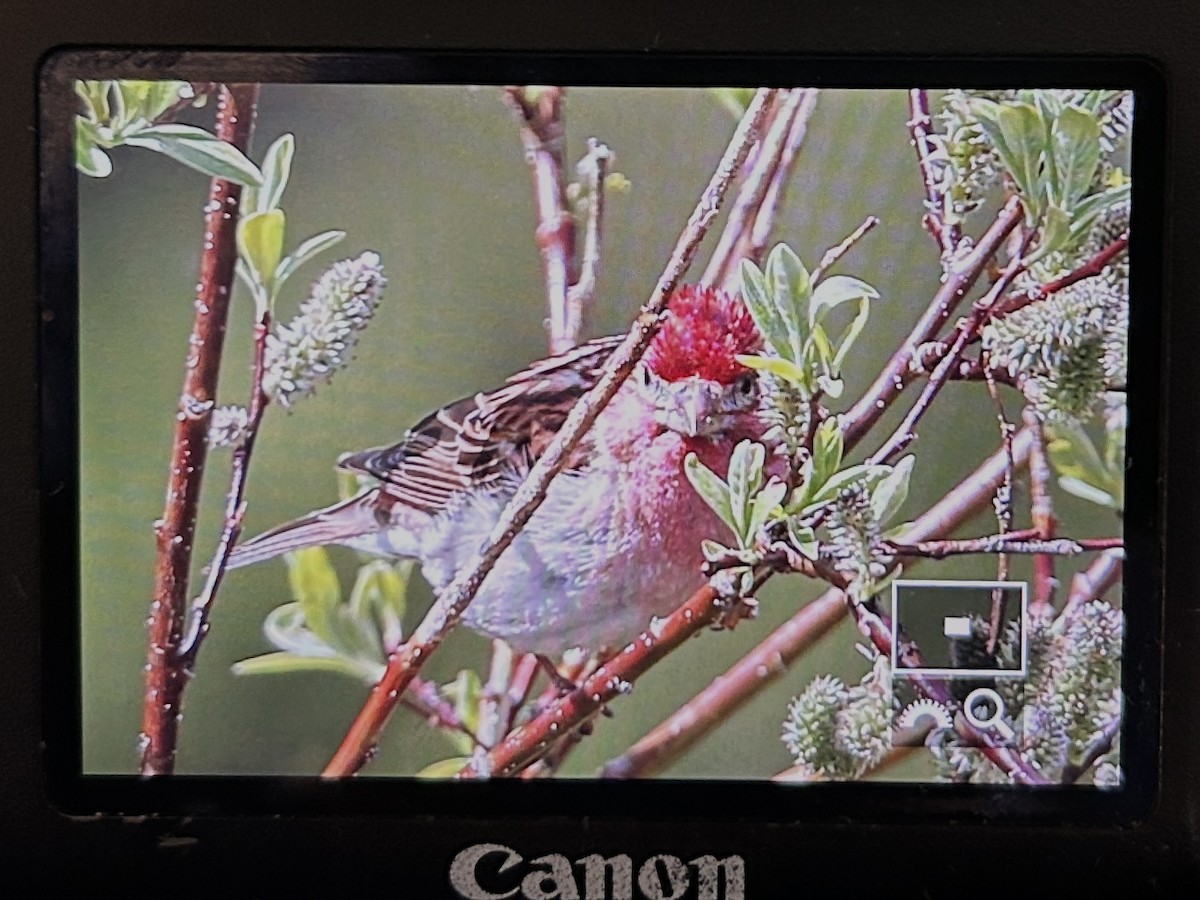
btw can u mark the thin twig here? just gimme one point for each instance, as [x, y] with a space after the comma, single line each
[1094, 581]
[1014, 542]
[1093, 267]
[755, 247]
[593, 168]
[166, 673]
[723, 267]
[771, 658]
[1003, 504]
[425, 700]
[920, 125]
[906, 432]
[493, 705]
[453, 601]
[543, 134]
[1042, 514]
[1099, 747]
[835, 253]
[961, 278]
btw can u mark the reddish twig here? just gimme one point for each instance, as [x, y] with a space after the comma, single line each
[755, 247]
[543, 134]
[1093, 267]
[166, 672]
[1003, 504]
[1042, 515]
[906, 432]
[1101, 576]
[1014, 542]
[920, 125]
[723, 267]
[961, 278]
[831, 256]
[768, 661]
[453, 601]
[594, 170]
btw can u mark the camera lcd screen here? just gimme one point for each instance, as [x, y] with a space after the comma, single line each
[818, 396]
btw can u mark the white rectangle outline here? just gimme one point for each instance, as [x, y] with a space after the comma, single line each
[961, 673]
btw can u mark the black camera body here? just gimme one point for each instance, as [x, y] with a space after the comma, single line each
[734, 832]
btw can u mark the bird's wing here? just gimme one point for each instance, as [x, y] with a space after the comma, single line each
[474, 442]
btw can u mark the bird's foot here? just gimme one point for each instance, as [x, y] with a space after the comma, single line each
[563, 684]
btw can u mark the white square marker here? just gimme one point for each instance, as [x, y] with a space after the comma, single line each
[957, 626]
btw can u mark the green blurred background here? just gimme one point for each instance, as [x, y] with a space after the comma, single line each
[435, 181]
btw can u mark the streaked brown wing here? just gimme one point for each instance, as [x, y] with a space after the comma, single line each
[474, 442]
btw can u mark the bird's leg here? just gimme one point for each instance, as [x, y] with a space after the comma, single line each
[561, 682]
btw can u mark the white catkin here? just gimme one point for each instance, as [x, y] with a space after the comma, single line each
[319, 340]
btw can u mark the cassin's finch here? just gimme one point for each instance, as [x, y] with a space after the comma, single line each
[617, 539]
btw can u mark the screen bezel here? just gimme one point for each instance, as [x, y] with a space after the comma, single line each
[72, 791]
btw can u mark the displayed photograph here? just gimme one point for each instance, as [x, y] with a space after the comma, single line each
[540, 431]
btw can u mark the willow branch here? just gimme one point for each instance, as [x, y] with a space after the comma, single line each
[831, 256]
[1093, 267]
[734, 242]
[920, 127]
[594, 170]
[959, 280]
[452, 602]
[1044, 522]
[1003, 543]
[1094, 581]
[771, 659]
[166, 670]
[906, 432]
[543, 135]
[1099, 747]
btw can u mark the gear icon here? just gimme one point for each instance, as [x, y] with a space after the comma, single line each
[920, 709]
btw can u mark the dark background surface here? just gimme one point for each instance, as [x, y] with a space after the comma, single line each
[936, 857]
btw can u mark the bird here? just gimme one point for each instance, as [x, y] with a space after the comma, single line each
[617, 541]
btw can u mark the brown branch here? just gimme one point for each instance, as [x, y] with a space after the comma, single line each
[961, 278]
[1014, 542]
[1042, 515]
[1003, 504]
[1099, 747]
[447, 610]
[166, 672]
[770, 660]
[612, 679]
[756, 246]
[723, 268]
[1094, 266]
[831, 256]
[920, 125]
[594, 170]
[1101, 576]
[543, 135]
[906, 432]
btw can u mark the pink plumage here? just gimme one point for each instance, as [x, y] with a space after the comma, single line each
[617, 539]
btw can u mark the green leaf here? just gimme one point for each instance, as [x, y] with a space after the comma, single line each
[318, 243]
[197, 149]
[286, 629]
[1075, 145]
[260, 244]
[890, 493]
[734, 99]
[276, 169]
[803, 538]
[834, 291]
[765, 505]
[445, 768]
[866, 473]
[776, 365]
[1056, 232]
[90, 159]
[1017, 131]
[790, 287]
[315, 586]
[283, 663]
[711, 488]
[762, 308]
[379, 594]
[828, 447]
[745, 478]
[95, 95]
[1086, 491]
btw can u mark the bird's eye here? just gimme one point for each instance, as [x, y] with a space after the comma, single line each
[745, 385]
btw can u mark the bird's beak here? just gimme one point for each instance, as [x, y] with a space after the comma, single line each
[696, 406]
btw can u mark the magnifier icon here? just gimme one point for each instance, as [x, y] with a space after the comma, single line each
[991, 705]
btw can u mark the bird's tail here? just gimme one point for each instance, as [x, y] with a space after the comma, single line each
[335, 524]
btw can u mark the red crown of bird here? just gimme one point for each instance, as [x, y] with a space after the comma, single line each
[705, 331]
